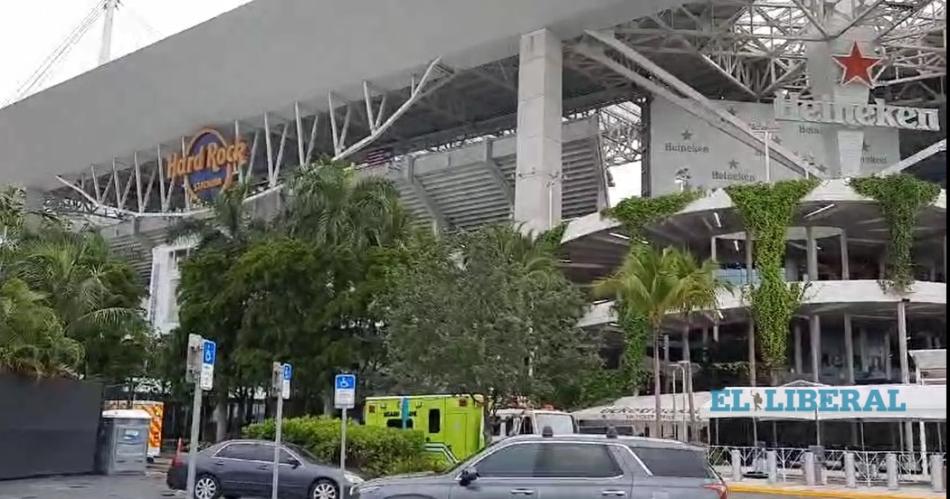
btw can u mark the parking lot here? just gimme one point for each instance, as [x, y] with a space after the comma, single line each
[149, 486]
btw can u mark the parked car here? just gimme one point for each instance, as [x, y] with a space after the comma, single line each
[237, 468]
[565, 467]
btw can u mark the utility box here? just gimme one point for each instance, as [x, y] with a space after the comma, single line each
[123, 442]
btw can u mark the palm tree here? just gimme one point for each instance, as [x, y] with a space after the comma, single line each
[332, 205]
[31, 336]
[226, 225]
[701, 284]
[648, 284]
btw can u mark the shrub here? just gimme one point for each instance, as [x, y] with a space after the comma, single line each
[372, 450]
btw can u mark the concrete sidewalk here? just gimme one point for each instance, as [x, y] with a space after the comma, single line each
[758, 486]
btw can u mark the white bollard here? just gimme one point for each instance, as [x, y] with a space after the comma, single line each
[809, 468]
[736, 465]
[849, 471]
[891, 460]
[772, 466]
[936, 472]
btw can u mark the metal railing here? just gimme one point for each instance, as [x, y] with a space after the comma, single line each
[870, 466]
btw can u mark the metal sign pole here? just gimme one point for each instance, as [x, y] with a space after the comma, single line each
[280, 388]
[199, 369]
[193, 442]
[343, 441]
[277, 438]
[344, 397]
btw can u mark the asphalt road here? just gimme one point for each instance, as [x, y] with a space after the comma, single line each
[151, 486]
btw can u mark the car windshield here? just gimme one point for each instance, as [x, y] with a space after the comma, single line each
[561, 424]
[304, 454]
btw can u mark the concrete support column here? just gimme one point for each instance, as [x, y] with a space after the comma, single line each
[945, 258]
[902, 341]
[814, 329]
[538, 165]
[811, 250]
[863, 349]
[797, 331]
[904, 365]
[845, 265]
[887, 355]
[848, 349]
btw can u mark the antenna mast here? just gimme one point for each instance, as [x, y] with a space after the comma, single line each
[105, 50]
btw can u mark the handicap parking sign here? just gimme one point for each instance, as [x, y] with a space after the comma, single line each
[344, 391]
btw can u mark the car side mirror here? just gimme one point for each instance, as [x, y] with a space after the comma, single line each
[293, 463]
[468, 476]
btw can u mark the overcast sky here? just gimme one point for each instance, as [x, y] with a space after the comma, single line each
[30, 30]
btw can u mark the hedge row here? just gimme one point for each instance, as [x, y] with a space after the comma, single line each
[372, 450]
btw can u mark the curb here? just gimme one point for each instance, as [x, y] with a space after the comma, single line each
[831, 494]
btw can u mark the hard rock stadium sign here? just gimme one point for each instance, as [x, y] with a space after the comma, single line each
[209, 164]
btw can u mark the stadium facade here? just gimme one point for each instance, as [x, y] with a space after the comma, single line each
[519, 112]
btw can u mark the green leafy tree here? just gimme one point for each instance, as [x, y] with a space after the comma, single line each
[488, 313]
[647, 285]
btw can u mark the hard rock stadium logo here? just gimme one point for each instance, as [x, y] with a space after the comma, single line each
[209, 164]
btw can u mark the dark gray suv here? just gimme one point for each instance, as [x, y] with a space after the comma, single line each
[565, 467]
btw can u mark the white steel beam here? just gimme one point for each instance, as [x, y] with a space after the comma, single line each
[787, 157]
[939, 146]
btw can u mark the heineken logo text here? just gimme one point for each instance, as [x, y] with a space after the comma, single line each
[793, 108]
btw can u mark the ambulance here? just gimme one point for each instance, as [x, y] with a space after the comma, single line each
[454, 425]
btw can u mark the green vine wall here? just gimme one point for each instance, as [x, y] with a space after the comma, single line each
[901, 198]
[634, 213]
[767, 211]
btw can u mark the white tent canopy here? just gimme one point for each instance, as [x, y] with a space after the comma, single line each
[642, 408]
[824, 403]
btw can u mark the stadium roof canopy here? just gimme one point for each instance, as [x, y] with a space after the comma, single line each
[442, 73]
[265, 56]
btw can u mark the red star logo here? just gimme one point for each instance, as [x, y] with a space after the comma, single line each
[855, 65]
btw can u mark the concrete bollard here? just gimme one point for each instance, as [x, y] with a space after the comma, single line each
[809, 469]
[736, 465]
[891, 461]
[850, 477]
[936, 472]
[771, 463]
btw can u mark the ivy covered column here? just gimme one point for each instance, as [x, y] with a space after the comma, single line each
[749, 282]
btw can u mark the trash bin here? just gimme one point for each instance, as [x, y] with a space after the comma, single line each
[123, 442]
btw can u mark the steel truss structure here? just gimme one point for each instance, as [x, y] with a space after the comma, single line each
[758, 46]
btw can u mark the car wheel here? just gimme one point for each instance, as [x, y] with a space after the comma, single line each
[323, 489]
[207, 487]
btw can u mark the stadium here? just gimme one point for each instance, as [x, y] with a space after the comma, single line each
[526, 111]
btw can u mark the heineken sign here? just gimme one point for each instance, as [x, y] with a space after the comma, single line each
[793, 108]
